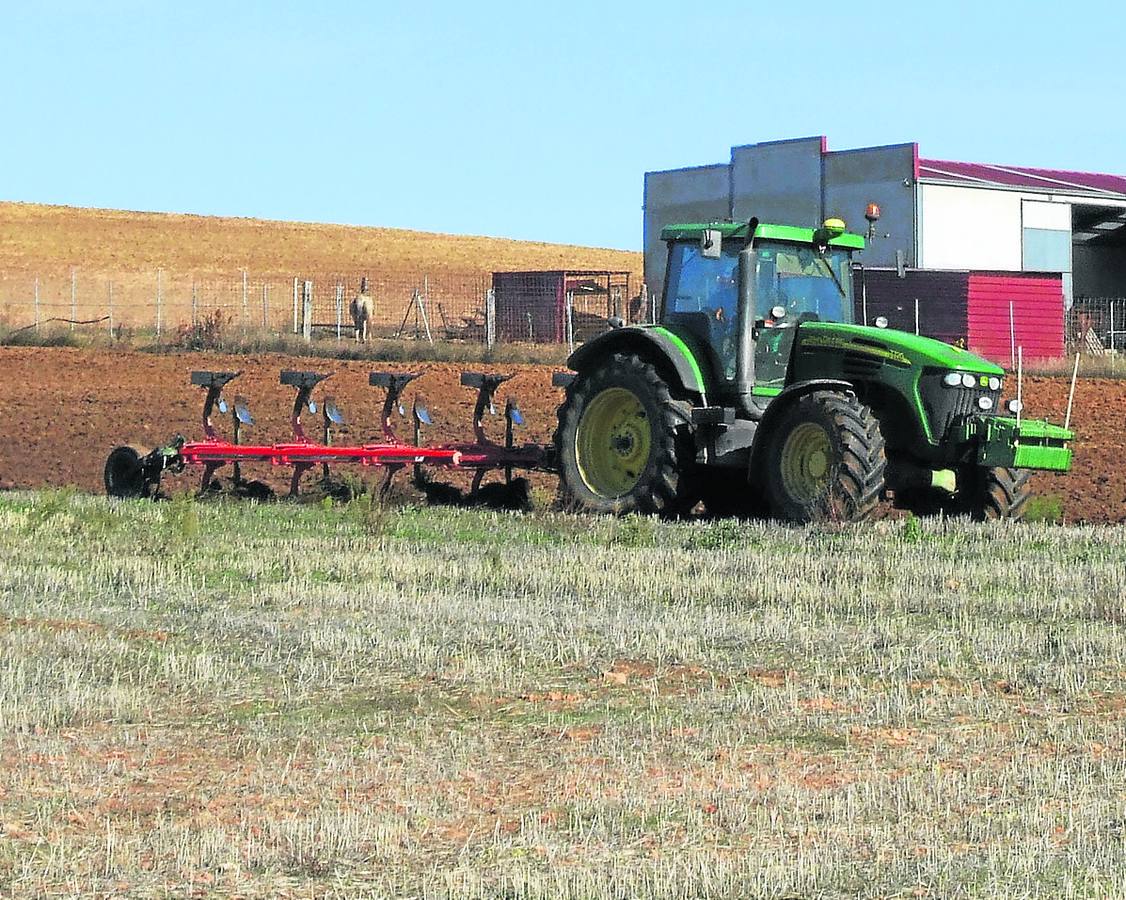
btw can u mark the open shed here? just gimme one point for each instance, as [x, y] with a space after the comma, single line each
[532, 306]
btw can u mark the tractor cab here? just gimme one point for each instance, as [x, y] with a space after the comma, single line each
[741, 301]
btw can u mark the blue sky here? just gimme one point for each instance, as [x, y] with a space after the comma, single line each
[523, 120]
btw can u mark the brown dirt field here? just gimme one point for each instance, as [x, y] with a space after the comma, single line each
[51, 239]
[63, 410]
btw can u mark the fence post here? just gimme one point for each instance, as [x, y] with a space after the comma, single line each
[339, 309]
[245, 304]
[159, 300]
[295, 328]
[195, 303]
[37, 304]
[570, 321]
[423, 302]
[307, 311]
[73, 296]
[265, 306]
[109, 304]
[490, 318]
[1012, 337]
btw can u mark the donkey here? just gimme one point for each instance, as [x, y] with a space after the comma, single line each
[361, 309]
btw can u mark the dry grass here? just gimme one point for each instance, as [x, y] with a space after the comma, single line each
[436, 703]
[1110, 365]
[257, 341]
[51, 239]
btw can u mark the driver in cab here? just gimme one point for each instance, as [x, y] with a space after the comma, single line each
[725, 318]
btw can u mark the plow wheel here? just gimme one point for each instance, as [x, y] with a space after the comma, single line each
[825, 460]
[123, 475]
[622, 441]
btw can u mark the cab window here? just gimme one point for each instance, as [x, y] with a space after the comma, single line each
[810, 286]
[703, 298]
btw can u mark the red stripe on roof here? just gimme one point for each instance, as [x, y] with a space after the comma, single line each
[1060, 181]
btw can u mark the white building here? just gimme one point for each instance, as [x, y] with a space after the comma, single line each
[936, 214]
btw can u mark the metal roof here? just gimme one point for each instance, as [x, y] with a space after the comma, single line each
[1056, 181]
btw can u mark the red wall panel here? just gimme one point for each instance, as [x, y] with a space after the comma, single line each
[1037, 303]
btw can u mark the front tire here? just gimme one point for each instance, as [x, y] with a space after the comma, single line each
[983, 495]
[996, 493]
[623, 443]
[825, 460]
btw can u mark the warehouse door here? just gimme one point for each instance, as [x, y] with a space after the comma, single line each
[1046, 240]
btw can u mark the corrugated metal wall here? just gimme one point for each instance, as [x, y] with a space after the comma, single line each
[970, 308]
[941, 297]
[1038, 313]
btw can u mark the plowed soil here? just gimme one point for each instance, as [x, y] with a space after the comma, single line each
[63, 410]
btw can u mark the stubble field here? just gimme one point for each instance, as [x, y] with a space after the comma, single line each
[218, 699]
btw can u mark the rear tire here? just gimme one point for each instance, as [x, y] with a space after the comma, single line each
[623, 442]
[825, 460]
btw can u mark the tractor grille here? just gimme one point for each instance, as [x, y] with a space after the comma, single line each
[945, 406]
[965, 402]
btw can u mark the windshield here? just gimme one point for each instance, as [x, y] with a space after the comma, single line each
[811, 286]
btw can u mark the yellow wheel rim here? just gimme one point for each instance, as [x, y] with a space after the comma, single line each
[805, 462]
[612, 443]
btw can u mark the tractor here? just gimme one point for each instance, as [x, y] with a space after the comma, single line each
[757, 393]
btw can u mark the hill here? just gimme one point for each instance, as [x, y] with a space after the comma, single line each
[51, 239]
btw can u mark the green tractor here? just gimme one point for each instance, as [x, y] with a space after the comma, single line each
[758, 394]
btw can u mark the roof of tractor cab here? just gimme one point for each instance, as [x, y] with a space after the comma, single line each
[695, 231]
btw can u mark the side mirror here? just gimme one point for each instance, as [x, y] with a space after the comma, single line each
[711, 243]
[615, 321]
[779, 312]
[881, 321]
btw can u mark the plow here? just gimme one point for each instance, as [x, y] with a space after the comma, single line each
[756, 393]
[132, 472]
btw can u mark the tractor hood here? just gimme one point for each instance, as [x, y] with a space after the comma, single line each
[895, 346]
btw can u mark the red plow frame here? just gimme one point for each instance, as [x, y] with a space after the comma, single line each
[132, 473]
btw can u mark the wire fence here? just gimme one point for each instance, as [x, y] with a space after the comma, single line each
[563, 307]
[533, 307]
[1097, 326]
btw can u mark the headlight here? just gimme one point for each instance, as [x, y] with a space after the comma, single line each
[1015, 406]
[985, 403]
[968, 380]
[952, 379]
[994, 383]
